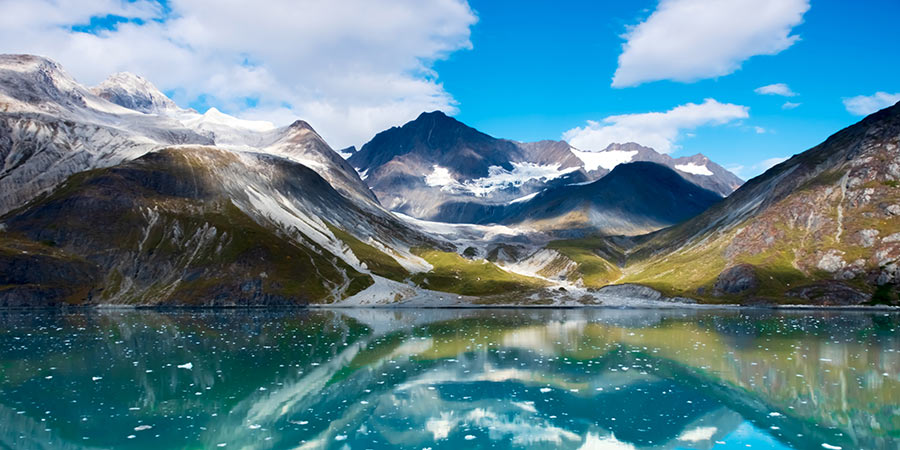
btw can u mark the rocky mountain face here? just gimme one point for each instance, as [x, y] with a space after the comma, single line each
[437, 168]
[821, 227]
[51, 127]
[135, 93]
[200, 225]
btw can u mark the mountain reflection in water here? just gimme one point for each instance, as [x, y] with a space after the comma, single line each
[364, 378]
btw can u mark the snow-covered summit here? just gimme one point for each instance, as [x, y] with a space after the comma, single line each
[134, 92]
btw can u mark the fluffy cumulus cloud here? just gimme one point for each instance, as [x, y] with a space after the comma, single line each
[775, 89]
[351, 68]
[659, 130]
[689, 40]
[863, 105]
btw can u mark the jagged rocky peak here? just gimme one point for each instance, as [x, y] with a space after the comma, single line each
[301, 125]
[35, 79]
[134, 92]
[435, 138]
[28, 63]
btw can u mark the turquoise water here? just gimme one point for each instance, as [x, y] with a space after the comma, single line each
[357, 379]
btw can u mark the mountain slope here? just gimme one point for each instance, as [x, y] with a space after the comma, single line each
[51, 127]
[298, 141]
[435, 159]
[697, 169]
[635, 198]
[821, 227]
[207, 226]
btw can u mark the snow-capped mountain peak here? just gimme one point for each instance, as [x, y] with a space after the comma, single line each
[34, 83]
[134, 92]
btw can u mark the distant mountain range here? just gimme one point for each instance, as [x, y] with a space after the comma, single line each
[115, 195]
[437, 168]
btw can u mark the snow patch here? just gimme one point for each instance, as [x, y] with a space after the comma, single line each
[440, 176]
[607, 160]
[524, 198]
[694, 168]
[462, 231]
[498, 178]
[213, 116]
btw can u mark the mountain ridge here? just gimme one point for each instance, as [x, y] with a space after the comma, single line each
[209, 209]
[438, 168]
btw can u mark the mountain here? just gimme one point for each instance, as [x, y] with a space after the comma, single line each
[821, 227]
[158, 205]
[437, 168]
[51, 127]
[616, 204]
[697, 168]
[102, 203]
[435, 159]
[200, 225]
[133, 92]
[633, 199]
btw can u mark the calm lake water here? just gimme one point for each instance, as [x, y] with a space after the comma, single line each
[357, 379]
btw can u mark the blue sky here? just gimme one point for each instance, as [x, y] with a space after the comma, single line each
[686, 71]
[535, 72]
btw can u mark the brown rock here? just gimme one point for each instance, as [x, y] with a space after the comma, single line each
[737, 279]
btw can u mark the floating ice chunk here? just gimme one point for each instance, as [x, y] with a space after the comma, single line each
[469, 437]
[545, 390]
[698, 434]
[96, 378]
[188, 366]
[831, 447]
[255, 426]
[142, 427]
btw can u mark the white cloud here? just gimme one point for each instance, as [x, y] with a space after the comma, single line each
[789, 105]
[775, 89]
[759, 130]
[863, 105]
[350, 68]
[767, 164]
[748, 172]
[735, 169]
[659, 130]
[689, 40]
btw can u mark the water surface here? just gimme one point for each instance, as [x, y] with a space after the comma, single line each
[357, 379]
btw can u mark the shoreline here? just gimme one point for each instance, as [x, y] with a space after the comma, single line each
[685, 306]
